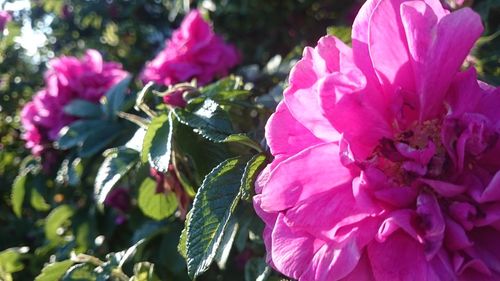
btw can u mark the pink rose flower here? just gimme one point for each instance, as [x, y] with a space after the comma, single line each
[386, 155]
[175, 99]
[67, 79]
[5, 18]
[194, 51]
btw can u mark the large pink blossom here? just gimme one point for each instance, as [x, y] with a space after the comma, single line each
[67, 79]
[386, 154]
[194, 51]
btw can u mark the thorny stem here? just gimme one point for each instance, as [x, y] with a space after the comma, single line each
[141, 122]
[118, 273]
[83, 258]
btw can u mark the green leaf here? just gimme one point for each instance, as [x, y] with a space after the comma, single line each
[10, 260]
[80, 272]
[98, 139]
[116, 96]
[157, 143]
[227, 89]
[143, 271]
[341, 32]
[182, 246]
[113, 168]
[18, 192]
[203, 154]
[156, 205]
[55, 220]
[78, 131]
[213, 206]
[37, 201]
[226, 244]
[83, 108]
[206, 118]
[256, 269]
[252, 170]
[54, 271]
[244, 140]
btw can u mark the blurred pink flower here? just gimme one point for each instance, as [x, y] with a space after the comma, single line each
[194, 51]
[119, 198]
[5, 18]
[67, 79]
[386, 156]
[175, 98]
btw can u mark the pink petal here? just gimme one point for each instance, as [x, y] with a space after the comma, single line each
[333, 209]
[359, 36]
[486, 247]
[444, 188]
[343, 98]
[312, 171]
[400, 258]
[492, 191]
[404, 220]
[455, 237]
[433, 224]
[337, 55]
[292, 251]
[285, 135]
[94, 59]
[362, 271]
[331, 263]
[306, 83]
[442, 267]
[391, 61]
[455, 34]
[489, 104]
[464, 93]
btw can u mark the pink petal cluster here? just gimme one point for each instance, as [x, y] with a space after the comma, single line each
[175, 99]
[194, 51]
[67, 79]
[386, 155]
[5, 18]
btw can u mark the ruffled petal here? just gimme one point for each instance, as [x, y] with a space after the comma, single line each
[400, 258]
[292, 251]
[438, 49]
[314, 170]
[362, 271]
[333, 210]
[285, 135]
[343, 97]
[306, 83]
[390, 61]
[331, 263]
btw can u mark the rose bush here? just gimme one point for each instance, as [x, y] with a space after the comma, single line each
[378, 164]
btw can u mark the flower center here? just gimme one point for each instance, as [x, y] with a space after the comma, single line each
[412, 153]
